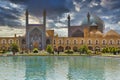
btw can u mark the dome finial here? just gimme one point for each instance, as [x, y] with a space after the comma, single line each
[88, 17]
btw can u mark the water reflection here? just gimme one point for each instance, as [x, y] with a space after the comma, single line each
[59, 68]
[12, 68]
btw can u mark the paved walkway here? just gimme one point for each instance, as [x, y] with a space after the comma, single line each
[60, 54]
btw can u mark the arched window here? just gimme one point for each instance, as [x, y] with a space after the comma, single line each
[111, 42]
[60, 42]
[82, 41]
[75, 42]
[89, 42]
[3, 41]
[118, 42]
[104, 42]
[17, 41]
[10, 41]
[67, 42]
[96, 42]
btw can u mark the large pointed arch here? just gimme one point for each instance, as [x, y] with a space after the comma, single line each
[35, 38]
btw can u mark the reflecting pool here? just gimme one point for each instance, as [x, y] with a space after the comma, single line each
[59, 68]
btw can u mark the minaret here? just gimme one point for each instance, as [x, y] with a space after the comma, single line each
[27, 22]
[44, 18]
[68, 25]
[27, 18]
[88, 17]
[44, 25]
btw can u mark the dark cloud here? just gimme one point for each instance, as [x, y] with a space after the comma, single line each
[9, 14]
[11, 10]
[53, 7]
[18, 1]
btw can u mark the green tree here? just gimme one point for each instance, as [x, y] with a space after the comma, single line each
[83, 49]
[14, 48]
[49, 49]
[110, 50]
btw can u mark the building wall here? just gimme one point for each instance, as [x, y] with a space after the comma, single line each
[95, 43]
[5, 42]
[66, 42]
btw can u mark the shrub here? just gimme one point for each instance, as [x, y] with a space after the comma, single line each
[109, 50]
[3, 51]
[35, 50]
[69, 51]
[104, 50]
[14, 48]
[83, 49]
[49, 49]
[89, 52]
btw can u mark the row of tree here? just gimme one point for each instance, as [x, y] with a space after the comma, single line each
[111, 50]
[82, 50]
[13, 47]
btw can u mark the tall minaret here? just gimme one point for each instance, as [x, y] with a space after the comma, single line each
[68, 25]
[27, 22]
[44, 25]
[88, 17]
[44, 18]
[27, 18]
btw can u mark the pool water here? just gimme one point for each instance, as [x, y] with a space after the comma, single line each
[59, 68]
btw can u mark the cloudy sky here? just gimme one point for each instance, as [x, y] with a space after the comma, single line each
[12, 19]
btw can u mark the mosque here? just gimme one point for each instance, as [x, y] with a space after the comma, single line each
[90, 33]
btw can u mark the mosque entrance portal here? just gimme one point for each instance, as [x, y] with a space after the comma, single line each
[35, 39]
